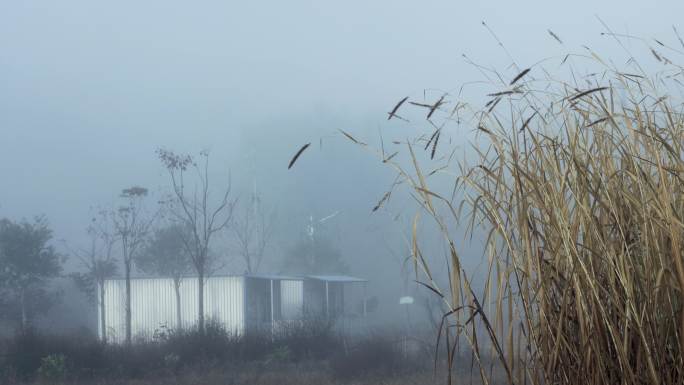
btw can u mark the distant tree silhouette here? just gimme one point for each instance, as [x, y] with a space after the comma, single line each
[99, 264]
[27, 262]
[317, 256]
[165, 255]
[251, 232]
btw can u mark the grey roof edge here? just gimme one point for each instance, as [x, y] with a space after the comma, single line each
[275, 277]
[336, 278]
[255, 276]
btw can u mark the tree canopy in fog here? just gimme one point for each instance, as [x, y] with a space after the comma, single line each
[27, 262]
[164, 254]
[318, 256]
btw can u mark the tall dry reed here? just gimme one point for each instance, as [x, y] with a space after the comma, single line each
[578, 188]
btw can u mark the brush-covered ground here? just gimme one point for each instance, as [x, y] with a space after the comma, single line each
[310, 374]
[305, 355]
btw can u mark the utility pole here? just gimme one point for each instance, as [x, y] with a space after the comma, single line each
[310, 229]
[255, 203]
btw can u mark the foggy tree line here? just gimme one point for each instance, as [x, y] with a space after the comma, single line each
[27, 263]
[170, 237]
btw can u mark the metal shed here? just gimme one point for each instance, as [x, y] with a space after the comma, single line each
[332, 297]
[153, 305]
[271, 300]
[259, 302]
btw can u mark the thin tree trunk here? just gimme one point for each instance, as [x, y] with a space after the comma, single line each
[103, 324]
[179, 321]
[200, 298]
[128, 304]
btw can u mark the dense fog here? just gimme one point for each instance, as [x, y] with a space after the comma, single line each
[89, 92]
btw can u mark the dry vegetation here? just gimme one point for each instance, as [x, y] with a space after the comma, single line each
[577, 189]
[311, 354]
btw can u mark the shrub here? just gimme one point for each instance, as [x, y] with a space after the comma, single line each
[279, 354]
[53, 367]
[84, 356]
[374, 355]
[309, 340]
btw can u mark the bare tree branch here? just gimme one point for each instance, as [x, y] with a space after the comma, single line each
[195, 213]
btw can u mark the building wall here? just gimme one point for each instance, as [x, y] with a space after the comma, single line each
[153, 305]
[114, 308]
[224, 302]
[291, 300]
[258, 304]
[239, 303]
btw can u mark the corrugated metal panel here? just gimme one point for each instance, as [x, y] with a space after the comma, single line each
[223, 302]
[188, 291]
[99, 312]
[115, 292]
[292, 300]
[153, 305]
[228, 299]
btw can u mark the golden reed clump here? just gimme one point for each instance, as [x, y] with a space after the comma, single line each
[579, 192]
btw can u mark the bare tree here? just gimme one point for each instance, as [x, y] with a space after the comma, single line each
[131, 224]
[99, 264]
[196, 212]
[251, 231]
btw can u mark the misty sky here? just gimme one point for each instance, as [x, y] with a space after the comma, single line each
[88, 91]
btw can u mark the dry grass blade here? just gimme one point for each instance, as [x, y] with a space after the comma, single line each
[492, 103]
[631, 75]
[390, 157]
[555, 36]
[296, 156]
[435, 106]
[655, 54]
[434, 144]
[421, 104]
[431, 107]
[429, 287]
[351, 138]
[502, 93]
[382, 201]
[597, 121]
[587, 92]
[519, 76]
[678, 36]
[527, 121]
[393, 113]
[432, 137]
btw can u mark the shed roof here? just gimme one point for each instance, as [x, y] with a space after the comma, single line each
[336, 278]
[274, 277]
